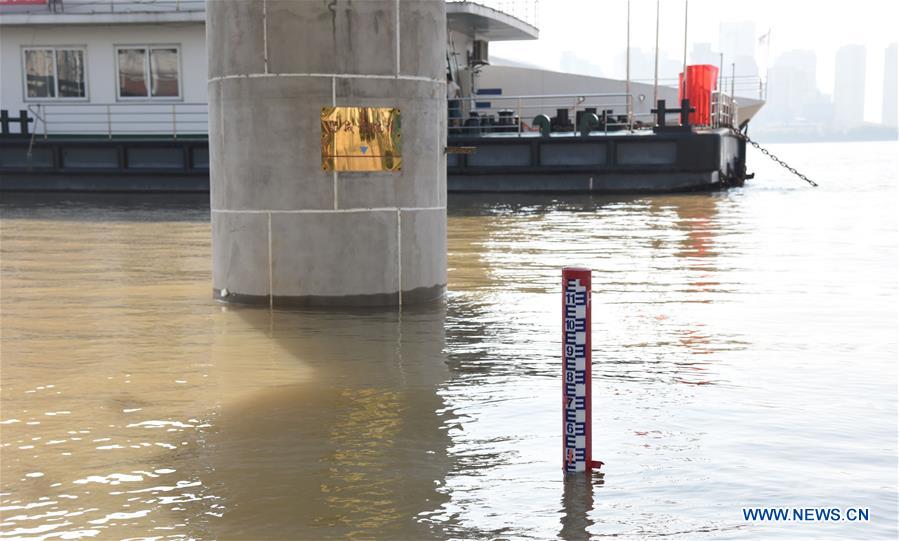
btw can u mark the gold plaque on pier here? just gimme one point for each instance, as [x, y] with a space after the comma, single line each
[361, 139]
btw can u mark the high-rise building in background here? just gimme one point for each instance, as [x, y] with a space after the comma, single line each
[738, 41]
[702, 53]
[643, 66]
[888, 111]
[792, 87]
[849, 87]
[571, 62]
[737, 38]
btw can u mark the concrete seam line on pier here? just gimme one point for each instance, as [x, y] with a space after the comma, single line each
[399, 257]
[271, 283]
[265, 35]
[324, 211]
[397, 14]
[336, 202]
[221, 124]
[440, 163]
[336, 75]
[334, 104]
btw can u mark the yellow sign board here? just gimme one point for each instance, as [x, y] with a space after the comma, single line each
[361, 139]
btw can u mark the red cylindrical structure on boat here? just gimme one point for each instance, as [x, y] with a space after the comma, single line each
[702, 80]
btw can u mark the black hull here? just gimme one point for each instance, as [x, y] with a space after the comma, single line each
[666, 162]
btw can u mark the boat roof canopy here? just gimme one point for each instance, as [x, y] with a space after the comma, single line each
[486, 23]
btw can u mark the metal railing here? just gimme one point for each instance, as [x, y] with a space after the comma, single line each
[750, 86]
[516, 115]
[481, 114]
[159, 120]
[87, 7]
[526, 11]
[485, 114]
[724, 110]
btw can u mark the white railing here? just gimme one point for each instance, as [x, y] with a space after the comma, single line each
[492, 114]
[750, 86]
[87, 7]
[724, 110]
[526, 11]
[516, 115]
[523, 10]
[159, 120]
[480, 114]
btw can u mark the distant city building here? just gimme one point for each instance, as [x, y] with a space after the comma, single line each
[819, 111]
[793, 96]
[643, 66]
[702, 53]
[571, 62]
[849, 87]
[737, 38]
[738, 41]
[889, 87]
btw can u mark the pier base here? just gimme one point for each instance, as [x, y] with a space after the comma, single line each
[294, 221]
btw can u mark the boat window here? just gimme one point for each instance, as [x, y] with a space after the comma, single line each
[70, 73]
[164, 72]
[55, 73]
[132, 81]
[147, 72]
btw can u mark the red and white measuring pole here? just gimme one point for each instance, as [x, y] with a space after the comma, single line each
[577, 444]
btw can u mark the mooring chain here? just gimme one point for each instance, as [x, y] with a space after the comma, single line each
[765, 151]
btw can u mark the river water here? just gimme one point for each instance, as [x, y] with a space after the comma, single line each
[745, 348]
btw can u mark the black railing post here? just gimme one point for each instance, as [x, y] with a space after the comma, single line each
[685, 111]
[660, 111]
[24, 119]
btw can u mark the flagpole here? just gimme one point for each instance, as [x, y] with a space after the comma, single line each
[719, 100]
[720, 72]
[628, 68]
[686, 16]
[655, 84]
[767, 61]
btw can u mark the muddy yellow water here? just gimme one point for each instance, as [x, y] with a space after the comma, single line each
[744, 355]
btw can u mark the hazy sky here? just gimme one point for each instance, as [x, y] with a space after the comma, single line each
[596, 31]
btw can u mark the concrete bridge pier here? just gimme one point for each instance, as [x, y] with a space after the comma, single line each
[290, 227]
